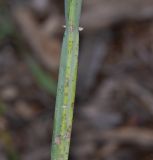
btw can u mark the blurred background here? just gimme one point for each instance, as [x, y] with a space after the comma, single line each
[113, 117]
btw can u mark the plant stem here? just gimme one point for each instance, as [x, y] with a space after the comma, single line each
[67, 82]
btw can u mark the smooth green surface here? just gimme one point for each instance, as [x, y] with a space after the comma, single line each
[66, 83]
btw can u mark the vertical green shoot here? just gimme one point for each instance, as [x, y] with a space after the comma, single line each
[67, 82]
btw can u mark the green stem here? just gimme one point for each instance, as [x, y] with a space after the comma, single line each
[67, 82]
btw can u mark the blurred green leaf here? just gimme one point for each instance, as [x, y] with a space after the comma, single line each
[13, 155]
[6, 24]
[43, 79]
[2, 108]
[11, 151]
